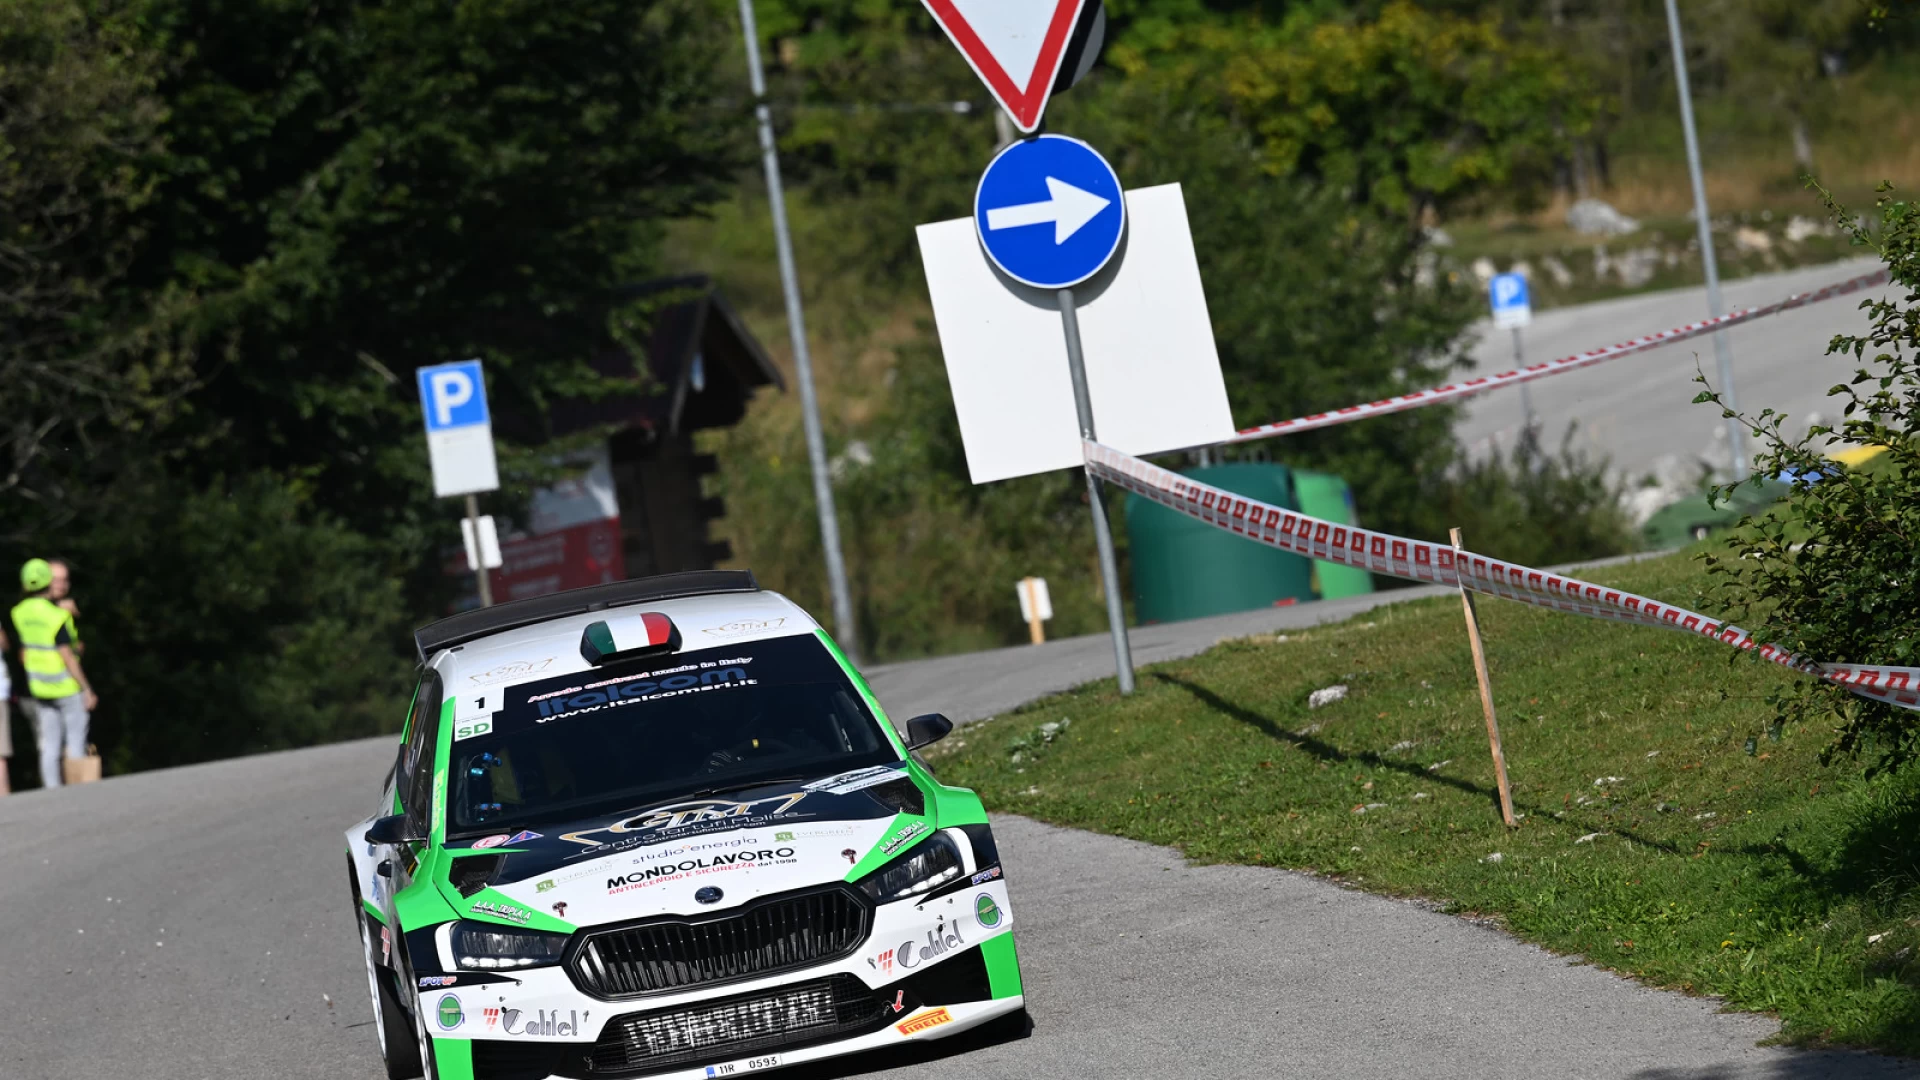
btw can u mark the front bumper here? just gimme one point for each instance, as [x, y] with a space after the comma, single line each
[927, 970]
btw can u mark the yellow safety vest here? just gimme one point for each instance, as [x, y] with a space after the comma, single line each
[37, 620]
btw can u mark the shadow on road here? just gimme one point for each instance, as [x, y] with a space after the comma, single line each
[1809, 1065]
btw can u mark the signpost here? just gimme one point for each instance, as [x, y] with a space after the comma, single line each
[1513, 310]
[453, 398]
[1036, 607]
[1016, 47]
[1051, 214]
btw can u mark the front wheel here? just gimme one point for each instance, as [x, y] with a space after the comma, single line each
[423, 1042]
[398, 1046]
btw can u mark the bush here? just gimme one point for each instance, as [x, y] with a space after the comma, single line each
[233, 619]
[1829, 571]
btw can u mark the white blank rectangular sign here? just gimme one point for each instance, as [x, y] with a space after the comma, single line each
[1152, 372]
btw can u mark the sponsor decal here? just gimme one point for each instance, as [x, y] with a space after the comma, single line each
[435, 982]
[677, 871]
[741, 628]
[544, 1023]
[985, 910]
[851, 855]
[560, 908]
[782, 837]
[515, 670]
[848, 783]
[492, 1017]
[884, 962]
[691, 817]
[941, 940]
[923, 1021]
[448, 1013]
[545, 886]
[900, 838]
[899, 1002]
[386, 944]
[523, 836]
[633, 689]
[502, 911]
[984, 876]
[471, 728]
[493, 841]
[439, 801]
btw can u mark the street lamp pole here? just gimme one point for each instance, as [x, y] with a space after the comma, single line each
[843, 624]
[1721, 350]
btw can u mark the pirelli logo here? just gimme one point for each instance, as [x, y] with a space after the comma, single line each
[925, 1020]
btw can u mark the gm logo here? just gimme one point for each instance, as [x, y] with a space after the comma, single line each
[453, 396]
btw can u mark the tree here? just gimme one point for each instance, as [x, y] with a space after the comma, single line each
[78, 118]
[1404, 112]
[1780, 54]
[1828, 573]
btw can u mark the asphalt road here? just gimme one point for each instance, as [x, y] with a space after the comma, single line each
[193, 924]
[1638, 410]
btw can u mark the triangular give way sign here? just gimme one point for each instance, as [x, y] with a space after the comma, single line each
[1015, 46]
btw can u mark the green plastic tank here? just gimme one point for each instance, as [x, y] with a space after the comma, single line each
[1328, 498]
[1186, 569]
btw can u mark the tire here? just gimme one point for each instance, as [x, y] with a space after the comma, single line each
[422, 1042]
[399, 1046]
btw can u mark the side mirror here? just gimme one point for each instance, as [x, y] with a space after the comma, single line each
[393, 830]
[927, 730]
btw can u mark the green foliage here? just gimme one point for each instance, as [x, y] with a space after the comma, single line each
[79, 118]
[1779, 882]
[234, 618]
[1532, 507]
[1829, 571]
[1404, 111]
[243, 223]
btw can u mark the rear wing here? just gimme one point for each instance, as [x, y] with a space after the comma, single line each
[472, 625]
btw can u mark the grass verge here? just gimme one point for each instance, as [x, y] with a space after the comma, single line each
[1669, 834]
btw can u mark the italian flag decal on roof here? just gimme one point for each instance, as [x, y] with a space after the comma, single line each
[626, 636]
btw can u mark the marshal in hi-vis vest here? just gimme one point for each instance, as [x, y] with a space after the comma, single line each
[37, 620]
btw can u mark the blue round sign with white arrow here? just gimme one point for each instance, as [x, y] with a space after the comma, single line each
[1049, 211]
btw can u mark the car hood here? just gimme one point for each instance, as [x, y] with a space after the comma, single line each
[746, 844]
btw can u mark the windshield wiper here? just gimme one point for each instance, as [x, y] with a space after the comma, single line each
[722, 789]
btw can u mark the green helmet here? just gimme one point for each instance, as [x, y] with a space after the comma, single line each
[35, 575]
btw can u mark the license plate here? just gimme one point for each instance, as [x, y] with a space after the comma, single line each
[735, 1068]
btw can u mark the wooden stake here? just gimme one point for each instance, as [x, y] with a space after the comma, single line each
[1035, 627]
[1486, 694]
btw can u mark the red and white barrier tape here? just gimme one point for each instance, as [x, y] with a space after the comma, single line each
[1416, 560]
[1456, 391]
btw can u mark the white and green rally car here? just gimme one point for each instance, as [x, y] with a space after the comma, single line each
[661, 828]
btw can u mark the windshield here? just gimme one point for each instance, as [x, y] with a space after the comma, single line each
[628, 736]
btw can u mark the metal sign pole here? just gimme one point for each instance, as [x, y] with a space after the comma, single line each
[1721, 350]
[480, 574]
[844, 630]
[1519, 363]
[1102, 533]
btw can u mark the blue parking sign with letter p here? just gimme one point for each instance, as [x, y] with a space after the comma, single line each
[1511, 304]
[453, 396]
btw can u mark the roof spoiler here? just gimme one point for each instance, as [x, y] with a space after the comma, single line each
[471, 625]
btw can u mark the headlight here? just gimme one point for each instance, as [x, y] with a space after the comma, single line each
[481, 946]
[931, 864]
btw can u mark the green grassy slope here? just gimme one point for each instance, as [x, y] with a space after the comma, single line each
[1657, 839]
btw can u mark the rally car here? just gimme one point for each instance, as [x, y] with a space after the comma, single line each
[662, 828]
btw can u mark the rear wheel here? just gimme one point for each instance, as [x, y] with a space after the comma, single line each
[399, 1048]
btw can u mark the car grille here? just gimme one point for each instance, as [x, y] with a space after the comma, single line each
[766, 939]
[736, 1027]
